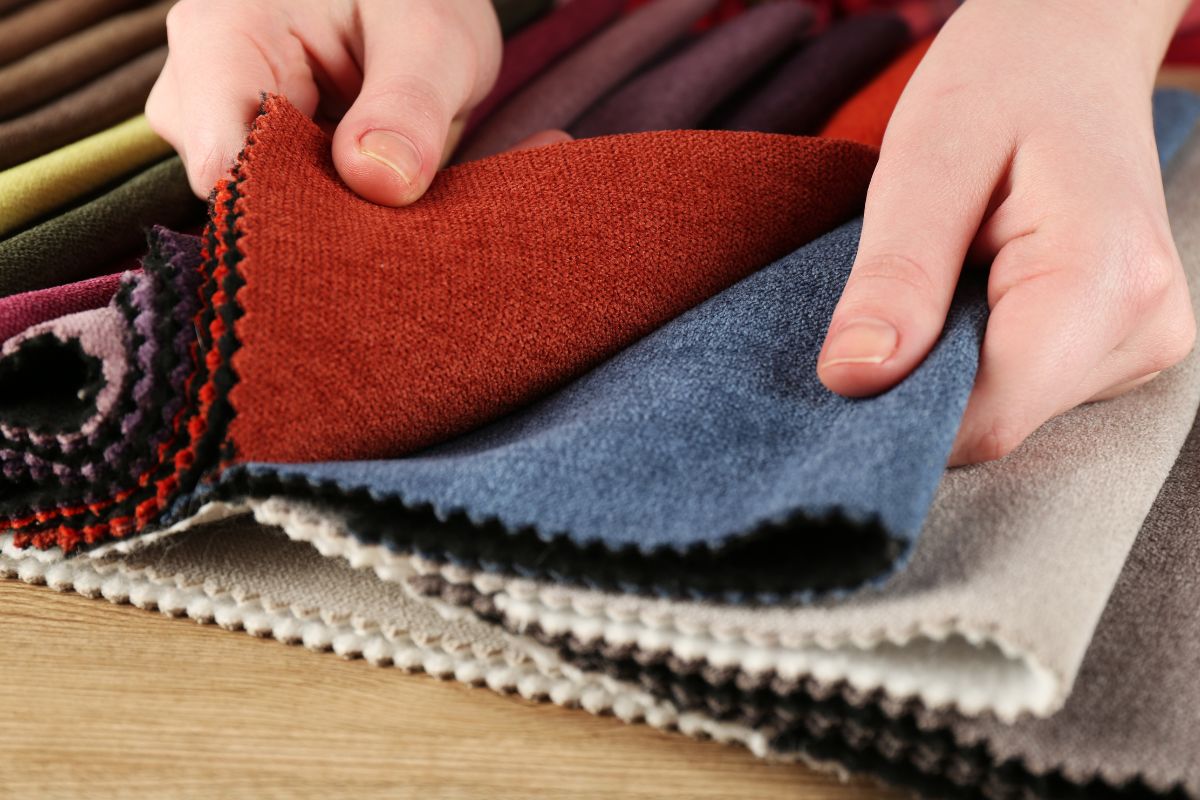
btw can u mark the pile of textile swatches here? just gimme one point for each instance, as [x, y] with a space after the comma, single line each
[556, 429]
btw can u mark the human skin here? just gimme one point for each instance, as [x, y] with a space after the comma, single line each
[1024, 141]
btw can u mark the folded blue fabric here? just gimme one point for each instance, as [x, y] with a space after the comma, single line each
[707, 460]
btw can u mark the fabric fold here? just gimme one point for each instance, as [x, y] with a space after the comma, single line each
[79, 58]
[39, 23]
[48, 182]
[560, 95]
[90, 239]
[106, 101]
[683, 91]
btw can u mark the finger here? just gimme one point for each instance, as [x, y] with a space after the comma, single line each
[1123, 388]
[926, 200]
[205, 112]
[543, 139]
[421, 69]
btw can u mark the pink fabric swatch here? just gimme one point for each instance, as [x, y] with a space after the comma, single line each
[20, 312]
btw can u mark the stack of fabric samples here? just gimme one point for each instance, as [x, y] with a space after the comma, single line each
[556, 428]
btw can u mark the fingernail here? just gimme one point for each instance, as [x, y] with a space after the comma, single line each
[863, 341]
[394, 151]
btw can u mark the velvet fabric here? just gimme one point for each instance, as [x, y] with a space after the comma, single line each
[802, 92]
[81, 57]
[59, 178]
[559, 96]
[44, 21]
[22, 311]
[111, 98]
[86, 241]
[683, 91]
[534, 49]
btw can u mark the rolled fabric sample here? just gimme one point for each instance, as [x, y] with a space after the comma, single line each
[540, 45]
[864, 117]
[87, 240]
[516, 14]
[684, 90]
[964, 624]
[558, 97]
[22, 311]
[44, 21]
[6, 6]
[1174, 77]
[638, 210]
[94, 106]
[1184, 49]
[48, 182]
[808, 87]
[79, 58]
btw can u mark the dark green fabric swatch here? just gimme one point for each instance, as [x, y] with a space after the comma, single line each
[85, 241]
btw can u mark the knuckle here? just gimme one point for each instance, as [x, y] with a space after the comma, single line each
[1153, 273]
[999, 438]
[888, 273]
[1176, 342]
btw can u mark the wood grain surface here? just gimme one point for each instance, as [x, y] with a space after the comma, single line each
[112, 701]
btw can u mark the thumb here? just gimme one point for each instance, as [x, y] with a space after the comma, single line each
[925, 204]
[421, 69]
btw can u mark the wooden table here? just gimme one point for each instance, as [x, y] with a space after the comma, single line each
[113, 701]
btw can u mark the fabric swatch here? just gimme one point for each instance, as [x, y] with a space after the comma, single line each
[478, 346]
[1184, 49]
[44, 21]
[534, 49]
[803, 91]
[964, 624]
[81, 57]
[1179, 78]
[684, 90]
[111, 98]
[516, 14]
[560, 95]
[22, 311]
[48, 182]
[88, 240]
[864, 117]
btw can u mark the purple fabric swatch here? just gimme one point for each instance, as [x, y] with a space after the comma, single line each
[558, 97]
[540, 45]
[684, 90]
[810, 85]
[21, 311]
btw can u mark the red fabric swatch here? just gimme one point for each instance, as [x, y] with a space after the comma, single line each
[1184, 49]
[371, 332]
[865, 116]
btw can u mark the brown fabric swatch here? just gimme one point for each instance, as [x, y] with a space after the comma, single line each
[8, 5]
[46, 21]
[109, 99]
[81, 57]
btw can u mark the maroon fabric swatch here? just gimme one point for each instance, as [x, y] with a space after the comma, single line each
[684, 90]
[807, 88]
[540, 45]
[20, 312]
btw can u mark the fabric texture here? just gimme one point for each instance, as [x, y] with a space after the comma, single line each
[683, 91]
[808, 87]
[48, 182]
[22, 311]
[533, 50]
[546, 320]
[559, 96]
[81, 57]
[989, 562]
[88, 240]
[106, 101]
[44, 21]
[864, 117]
[516, 14]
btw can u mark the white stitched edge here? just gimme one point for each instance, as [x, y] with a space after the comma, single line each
[944, 664]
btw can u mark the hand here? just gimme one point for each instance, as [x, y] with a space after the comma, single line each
[400, 76]
[1023, 140]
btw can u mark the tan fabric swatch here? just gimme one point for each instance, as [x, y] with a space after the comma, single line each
[81, 57]
[45, 21]
[109, 99]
